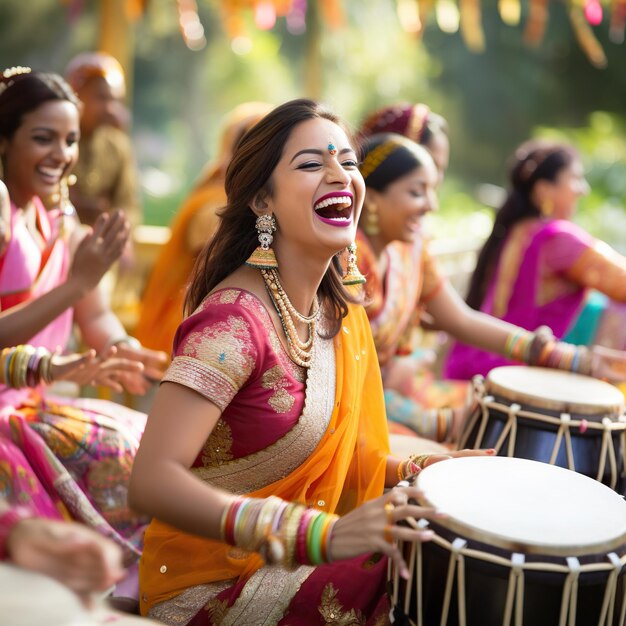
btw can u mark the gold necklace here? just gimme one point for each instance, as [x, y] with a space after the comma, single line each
[299, 351]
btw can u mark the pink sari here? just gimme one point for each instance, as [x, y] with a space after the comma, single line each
[77, 452]
[549, 273]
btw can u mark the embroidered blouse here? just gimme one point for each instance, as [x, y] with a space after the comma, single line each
[229, 352]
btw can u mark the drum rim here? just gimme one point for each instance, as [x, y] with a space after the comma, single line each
[497, 389]
[468, 531]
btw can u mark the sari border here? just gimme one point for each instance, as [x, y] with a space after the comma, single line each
[278, 588]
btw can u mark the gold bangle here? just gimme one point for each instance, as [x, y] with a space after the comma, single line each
[420, 459]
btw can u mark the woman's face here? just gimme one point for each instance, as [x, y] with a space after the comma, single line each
[42, 150]
[562, 195]
[404, 202]
[316, 196]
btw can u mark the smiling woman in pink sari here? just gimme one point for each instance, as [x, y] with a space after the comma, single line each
[80, 449]
[538, 268]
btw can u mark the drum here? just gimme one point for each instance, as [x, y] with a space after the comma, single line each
[523, 544]
[547, 415]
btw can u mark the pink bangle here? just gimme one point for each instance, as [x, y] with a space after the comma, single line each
[8, 520]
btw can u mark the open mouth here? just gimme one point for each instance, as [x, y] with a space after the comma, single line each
[335, 209]
[50, 175]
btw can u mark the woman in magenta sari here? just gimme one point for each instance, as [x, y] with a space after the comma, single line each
[538, 268]
[81, 450]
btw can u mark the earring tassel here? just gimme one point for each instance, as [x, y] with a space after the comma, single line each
[353, 275]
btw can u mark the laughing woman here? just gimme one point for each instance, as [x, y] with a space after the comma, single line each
[267, 442]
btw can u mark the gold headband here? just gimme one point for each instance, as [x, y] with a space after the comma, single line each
[380, 153]
[10, 72]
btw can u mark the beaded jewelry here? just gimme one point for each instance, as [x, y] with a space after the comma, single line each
[300, 351]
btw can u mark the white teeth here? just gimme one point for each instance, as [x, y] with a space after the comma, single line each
[334, 200]
[52, 173]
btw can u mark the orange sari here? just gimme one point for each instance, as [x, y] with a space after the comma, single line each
[161, 309]
[343, 465]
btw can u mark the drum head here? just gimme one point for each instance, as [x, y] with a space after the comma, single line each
[555, 390]
[525, 506]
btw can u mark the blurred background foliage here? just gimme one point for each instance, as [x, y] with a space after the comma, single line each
[493, 100]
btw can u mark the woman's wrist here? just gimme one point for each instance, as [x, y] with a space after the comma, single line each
[9, 519]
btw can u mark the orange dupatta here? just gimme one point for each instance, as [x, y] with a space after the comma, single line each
[163, 299]
[162, 303]
[346, 469]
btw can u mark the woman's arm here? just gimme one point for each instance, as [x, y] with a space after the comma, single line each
[95, 252]
[602, 268]
[161, 484]
[455, 317]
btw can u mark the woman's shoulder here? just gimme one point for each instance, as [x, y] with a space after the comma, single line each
[228, 301]
[228, 315]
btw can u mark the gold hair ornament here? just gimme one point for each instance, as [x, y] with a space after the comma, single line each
[377, 156]
[10, 72]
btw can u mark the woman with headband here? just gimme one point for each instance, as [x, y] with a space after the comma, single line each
[403, 281]
[538, 268]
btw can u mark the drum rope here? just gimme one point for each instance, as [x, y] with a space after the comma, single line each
[608, 603]
[564, 423]
[459, 552]
[515, 590]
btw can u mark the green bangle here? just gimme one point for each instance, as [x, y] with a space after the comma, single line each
[314, 540]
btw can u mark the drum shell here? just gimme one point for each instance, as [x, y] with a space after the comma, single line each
[535, 440]
[486, 585]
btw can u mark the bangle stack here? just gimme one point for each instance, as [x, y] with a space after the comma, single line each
[534, 349]
[283, 533]
[412, 465]
[25, 366]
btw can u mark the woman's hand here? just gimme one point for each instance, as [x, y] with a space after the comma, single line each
[608, 364]
[372, 527]
[99, 249]
[457, 454]
[154, 363]
[105, 370]
[71, 553]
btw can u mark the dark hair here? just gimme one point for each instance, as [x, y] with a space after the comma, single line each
[435, 125]
[388, 157]
[22, 93]
[249, 173]
[533, 161]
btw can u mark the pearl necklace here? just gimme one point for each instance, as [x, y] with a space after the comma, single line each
[299, 351]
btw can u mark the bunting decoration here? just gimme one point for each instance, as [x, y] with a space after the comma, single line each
[451, 16]
[532, 15]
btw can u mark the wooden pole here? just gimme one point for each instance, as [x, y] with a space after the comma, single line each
[117, 36]
[313, 70]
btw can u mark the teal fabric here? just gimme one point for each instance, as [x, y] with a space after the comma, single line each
[587, 322]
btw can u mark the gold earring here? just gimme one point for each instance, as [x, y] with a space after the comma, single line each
[371, 226]
[263, 256]
[353, 275]
[547, 208]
